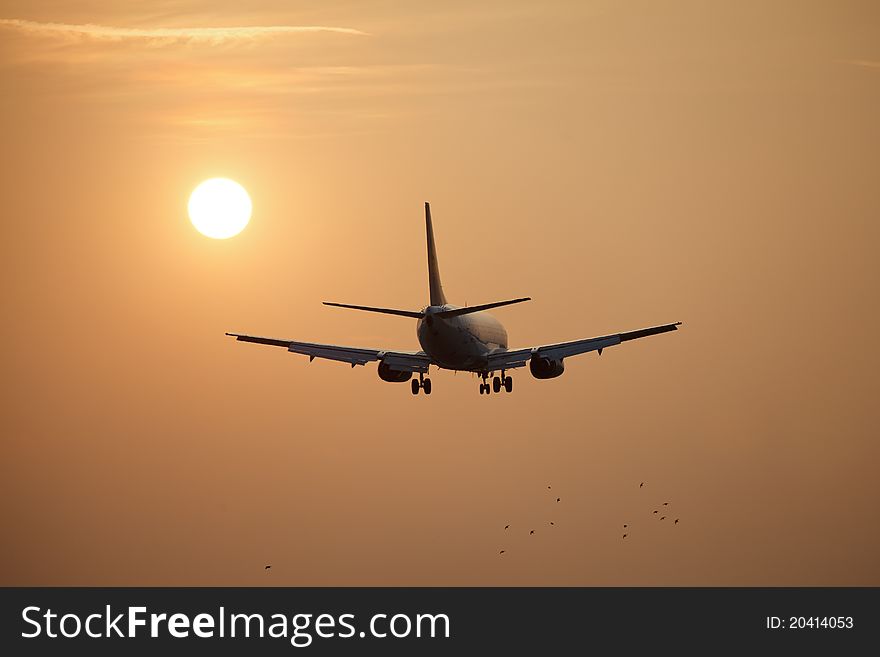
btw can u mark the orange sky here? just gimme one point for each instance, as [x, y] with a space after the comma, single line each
[622, 165]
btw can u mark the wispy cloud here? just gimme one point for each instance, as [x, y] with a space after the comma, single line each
[166, 34]
[865, 63]
[195, 83]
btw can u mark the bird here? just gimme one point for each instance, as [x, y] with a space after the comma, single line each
[624, 526]
[506, 526]
[558, 498]
[641, 484]
[676, 522]
[502, 552]
[655, 511]
[662, 517]
[666, 504]
[551, 522]
[267, 568]
[531, 532]
[548, 487]
[624, 535]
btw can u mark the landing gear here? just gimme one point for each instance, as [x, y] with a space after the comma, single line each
[498, 383]
[423, 383]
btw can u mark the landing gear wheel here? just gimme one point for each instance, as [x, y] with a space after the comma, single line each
[415, 387]
[426, 386]
[496, 384]
[508, 384]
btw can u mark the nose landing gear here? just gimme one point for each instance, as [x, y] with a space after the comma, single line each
[424, 383]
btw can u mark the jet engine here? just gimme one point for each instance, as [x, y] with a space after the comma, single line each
[386, 373]
[546, 368]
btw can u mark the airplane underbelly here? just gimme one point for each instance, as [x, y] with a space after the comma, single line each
[451, 348]
[454, 344]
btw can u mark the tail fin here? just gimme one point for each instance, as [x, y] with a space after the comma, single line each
[436, 289]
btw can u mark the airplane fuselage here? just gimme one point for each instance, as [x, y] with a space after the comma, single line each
[462, 342]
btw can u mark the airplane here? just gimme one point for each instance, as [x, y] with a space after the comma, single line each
[456, 338]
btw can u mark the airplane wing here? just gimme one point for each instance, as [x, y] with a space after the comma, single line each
[520, 357]
[405, 361]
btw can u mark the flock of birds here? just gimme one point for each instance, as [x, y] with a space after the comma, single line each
[656, 512]
[532, 531]
[552, 524]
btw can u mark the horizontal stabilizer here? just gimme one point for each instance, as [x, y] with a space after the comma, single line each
[387, 311]
[475, 309]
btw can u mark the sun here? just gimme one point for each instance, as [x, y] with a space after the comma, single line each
[219, 208]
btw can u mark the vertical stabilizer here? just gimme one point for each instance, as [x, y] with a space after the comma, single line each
[437, 296]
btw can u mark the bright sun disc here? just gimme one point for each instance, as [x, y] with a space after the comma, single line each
[219, 208]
